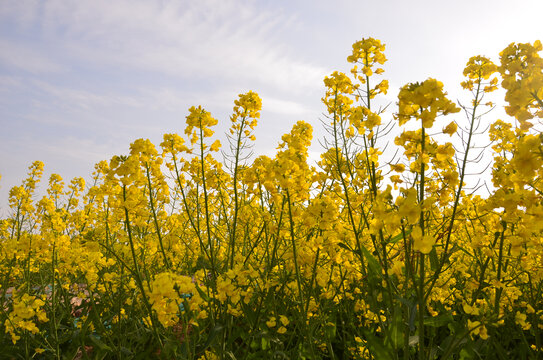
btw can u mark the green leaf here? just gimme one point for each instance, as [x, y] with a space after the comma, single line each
[99, 344]
[231, 355]
[345, 246]
[264, 342]
[254, 345]
[373, 264]
[202, 293]
[330, 331]
[376, 346]
[280, 355]
[413, 340]
[396, 330]
[213, 334]
[399, 237]
[438, 321]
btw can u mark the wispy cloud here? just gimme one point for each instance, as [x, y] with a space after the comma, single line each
[285, 107]
[84, 99]
[26, 58]
[215, 39]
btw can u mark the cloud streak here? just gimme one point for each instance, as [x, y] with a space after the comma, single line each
[222, 40]
[26, 58]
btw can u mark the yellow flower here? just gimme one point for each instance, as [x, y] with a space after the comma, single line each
[476, 328]
[424, 101]
[395, 179]
[271, 322]
[397, 167]
[520, 319]
[521, 69]
[248, 105]
[408, 207]
[215, 146]
[422, 243]
[468, 309]
[450, 129]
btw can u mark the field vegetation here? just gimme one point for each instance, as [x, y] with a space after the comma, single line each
[197, 250]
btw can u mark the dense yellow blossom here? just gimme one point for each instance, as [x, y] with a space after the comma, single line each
[199, 250]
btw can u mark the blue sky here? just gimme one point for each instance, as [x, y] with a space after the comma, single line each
[81, 80]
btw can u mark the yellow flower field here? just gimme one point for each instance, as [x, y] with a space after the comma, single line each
[197, 250]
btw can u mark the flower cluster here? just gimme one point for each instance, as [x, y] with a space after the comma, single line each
[522, 72]
[424, 101]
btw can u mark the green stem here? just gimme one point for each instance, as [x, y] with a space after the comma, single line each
[298, 277]
[345, 188]
[54, 302]
[187, 209]
[137, 272]
[236, 195]
[294, 253]
[421, 295]
[206, 206]
[153, 210]
[499, 272]
[458, 191]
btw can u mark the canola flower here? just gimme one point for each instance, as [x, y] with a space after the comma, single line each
[196, 250]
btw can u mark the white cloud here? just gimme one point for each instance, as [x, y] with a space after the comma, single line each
[8, 83]
[26, 58]
[234, 40]
[82, 98]
[285, 107]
